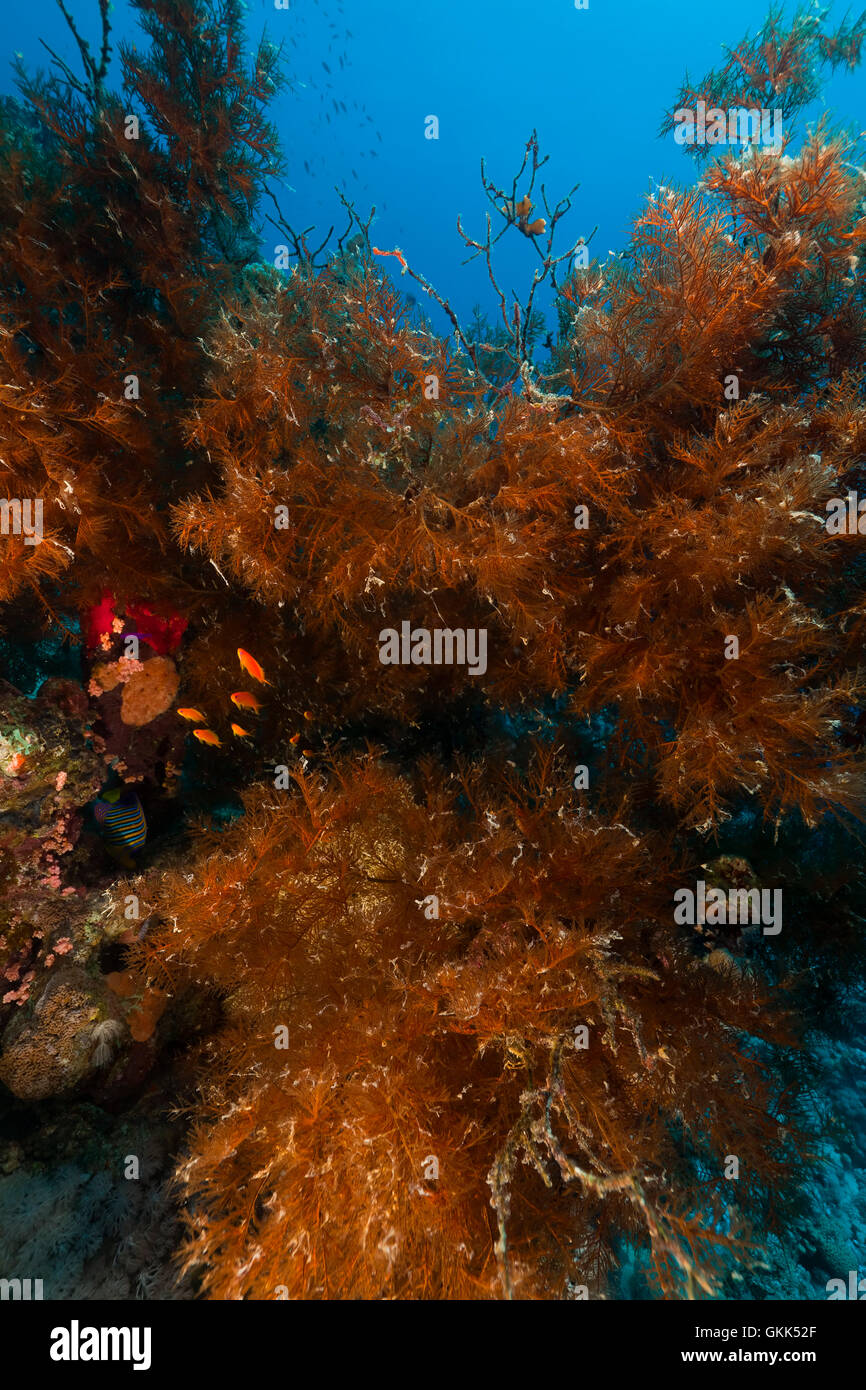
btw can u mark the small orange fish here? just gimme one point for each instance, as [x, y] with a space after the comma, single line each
[308, 714]
[239, 732]
[194, 714]
[244, 700]
[207, 736]
[296, 738]
[252, 667]
[306, 752]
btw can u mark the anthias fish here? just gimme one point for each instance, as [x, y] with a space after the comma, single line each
[122, 820]
[252, 667]
[239, 732]
[244, 700]
[207, 736]
[193, 714]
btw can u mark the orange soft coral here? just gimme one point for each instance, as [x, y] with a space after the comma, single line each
[532, 1032]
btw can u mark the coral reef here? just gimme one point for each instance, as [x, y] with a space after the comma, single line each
[51, 772]
[520, 1040]
[80, 1216]
[408, 948]
[51, 1051]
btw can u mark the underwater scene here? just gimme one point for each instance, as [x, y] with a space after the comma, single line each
[432, 667]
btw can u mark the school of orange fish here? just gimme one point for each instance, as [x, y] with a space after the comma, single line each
[241, 699]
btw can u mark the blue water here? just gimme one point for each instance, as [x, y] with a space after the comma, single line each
[594, 83]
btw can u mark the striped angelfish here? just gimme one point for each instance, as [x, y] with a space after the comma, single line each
[122, 820]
